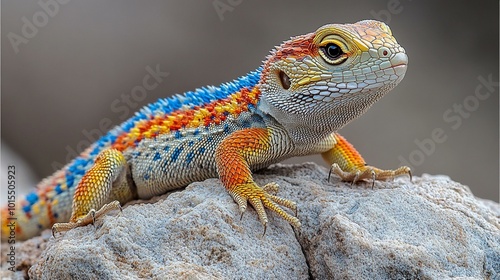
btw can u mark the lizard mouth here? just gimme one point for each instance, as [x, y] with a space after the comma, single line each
[399, 60]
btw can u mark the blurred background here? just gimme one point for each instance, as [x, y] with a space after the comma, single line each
[69, 67]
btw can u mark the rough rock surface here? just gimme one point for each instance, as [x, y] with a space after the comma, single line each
[431, 228]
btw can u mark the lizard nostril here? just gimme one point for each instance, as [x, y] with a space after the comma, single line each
[285, 80]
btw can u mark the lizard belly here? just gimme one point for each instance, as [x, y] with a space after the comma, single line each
[160, 166]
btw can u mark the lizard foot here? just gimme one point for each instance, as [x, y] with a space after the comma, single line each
[90, 218]
[368, 172]
[260, 198]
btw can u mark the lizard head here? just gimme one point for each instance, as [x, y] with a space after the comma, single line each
[322, 80]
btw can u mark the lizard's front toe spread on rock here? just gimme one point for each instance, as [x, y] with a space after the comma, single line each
[368, 172]
[350, 166]
[260, 199]
[306, 90]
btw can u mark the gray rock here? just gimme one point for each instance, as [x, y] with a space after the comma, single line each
[192, 234]
[433, 228]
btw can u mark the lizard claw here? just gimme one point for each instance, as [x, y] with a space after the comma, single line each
[92, 213]
[368, 172]
[242, 203]
[261, 199]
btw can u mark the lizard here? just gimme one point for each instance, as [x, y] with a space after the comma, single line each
[306, 89]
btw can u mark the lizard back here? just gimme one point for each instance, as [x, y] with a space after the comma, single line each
[169, 124]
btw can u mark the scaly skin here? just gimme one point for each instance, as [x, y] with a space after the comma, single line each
[308, 88]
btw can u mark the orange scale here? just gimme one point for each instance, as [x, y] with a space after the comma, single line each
[185, 122]
[118, 147]
[208, 121]
[189, 114]
[175, 126]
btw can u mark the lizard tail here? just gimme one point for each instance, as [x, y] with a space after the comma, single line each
[38, 210]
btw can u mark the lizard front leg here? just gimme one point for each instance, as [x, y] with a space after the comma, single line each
[106, 179]
[347, 163]
[234, 156]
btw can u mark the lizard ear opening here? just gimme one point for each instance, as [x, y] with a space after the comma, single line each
[284, 79]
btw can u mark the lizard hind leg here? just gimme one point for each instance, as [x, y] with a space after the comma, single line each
[103, 183]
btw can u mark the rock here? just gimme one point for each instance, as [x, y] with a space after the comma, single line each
[25, 255]
[192, 234]
[433, 228]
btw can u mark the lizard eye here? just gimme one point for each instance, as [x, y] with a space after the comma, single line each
[333, 53]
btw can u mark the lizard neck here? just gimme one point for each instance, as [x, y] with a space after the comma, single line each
[319, 123]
